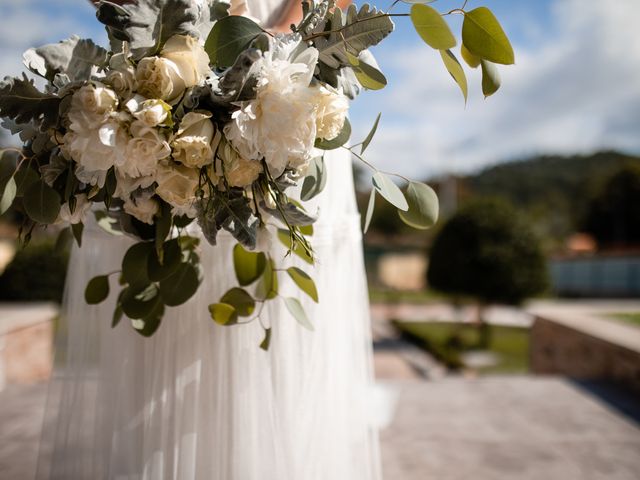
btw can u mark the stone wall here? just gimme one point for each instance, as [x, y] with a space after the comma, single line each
[576, 350]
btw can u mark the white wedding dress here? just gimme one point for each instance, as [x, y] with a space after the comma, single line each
[199, 401]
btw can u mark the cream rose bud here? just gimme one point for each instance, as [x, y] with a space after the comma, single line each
[331, 112]
[142, 206]
[159, 78]
[95, 99]
[189, 57]
[238, 171]
[147, 147]
[196, 139]
[122, 75]
[79, 214]
[177, 186]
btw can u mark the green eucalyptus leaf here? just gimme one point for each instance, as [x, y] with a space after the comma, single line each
[139, 302]
[423, 206]
[248, 265]
[370, 208]
[135, 264]
[339, 141]
[171, 259]
[285, 239]
[304, 282]
[455, 70]
[371, 134]
[180, 286]
[490, 78]
[229, 37]
[431, 27]
[264, 345]
[483, 36]
[369, 76]
[315, 181]
[8, 195]
[223, 313]
[25, 177]
[148, 325]
[297, 310]
[267, 287]
[470, 58]
[241, 300]
[389, 191]
[117, 316]
[42, 203]
[97, 290]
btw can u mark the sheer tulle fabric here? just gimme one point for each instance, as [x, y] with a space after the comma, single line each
[199, 401]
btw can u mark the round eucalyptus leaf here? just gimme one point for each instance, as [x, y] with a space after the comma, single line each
[241, 300]
[25, 177]
[423, 206]
[223, 313]
[135, 264]
[171, 259]
[455, 70]
[139, 302]
[97, 290]
[470, 58]
[304, 282]
[148, 325]
[431, 27]
[180, 286]
[490, 78]
[267, 287]
[389, 190]
[41, 202]
[483, 36]
[229, 37]
[297, 310]
[248, 265]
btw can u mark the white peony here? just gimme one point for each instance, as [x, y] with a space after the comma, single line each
[159, 78]
[195, 141]
[142, 206]
[177, 186]
[189, 57]
[332, 108]
[79, 214]
[280, 123]
[147, 147]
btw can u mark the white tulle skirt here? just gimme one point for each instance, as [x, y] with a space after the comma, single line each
[199, 401]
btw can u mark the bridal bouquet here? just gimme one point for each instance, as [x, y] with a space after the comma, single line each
[195, 119]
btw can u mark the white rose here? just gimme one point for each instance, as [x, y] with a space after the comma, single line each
[90, 105]
[125, 185]
[121, 76]
[143, 207]
[159, 78]
[189, 57]
[79, 214]
[238, 171]
[177, 186]
[332, 108]
[195, 141]
[147, 147]
[279, 124]
[153, 112]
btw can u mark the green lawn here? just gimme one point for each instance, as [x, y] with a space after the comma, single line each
[448, 341]
[403, 296]
[632, 318]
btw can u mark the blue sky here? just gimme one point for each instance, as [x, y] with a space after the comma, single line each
[575, 87]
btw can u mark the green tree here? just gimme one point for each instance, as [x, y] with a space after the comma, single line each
[487, 252]
[613, 217]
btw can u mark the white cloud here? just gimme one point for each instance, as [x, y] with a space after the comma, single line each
[575, 91]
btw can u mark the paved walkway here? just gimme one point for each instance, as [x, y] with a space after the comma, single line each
[505, 428]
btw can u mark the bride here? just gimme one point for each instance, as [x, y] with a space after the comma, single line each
[199, 401]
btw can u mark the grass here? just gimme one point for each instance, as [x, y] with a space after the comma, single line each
[632, 318]
[448, 341]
